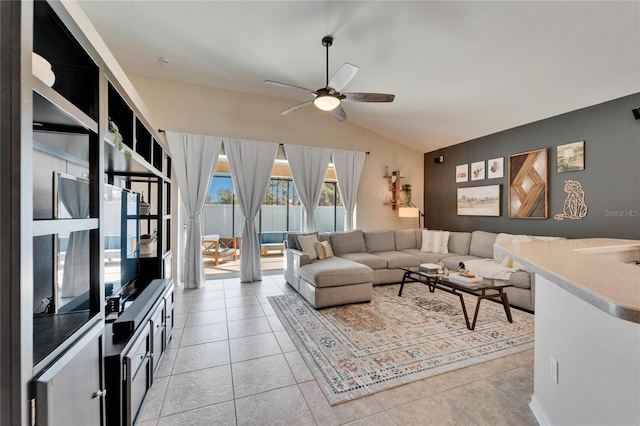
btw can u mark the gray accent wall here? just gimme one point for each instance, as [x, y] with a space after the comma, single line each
[610, 180]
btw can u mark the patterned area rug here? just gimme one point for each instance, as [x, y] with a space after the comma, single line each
[360, 349]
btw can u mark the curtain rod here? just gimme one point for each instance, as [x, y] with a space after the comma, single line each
[366, 152]
[281, 144]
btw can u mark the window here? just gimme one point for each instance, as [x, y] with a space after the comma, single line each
[221, 214]
[330, 211]
[281, 208]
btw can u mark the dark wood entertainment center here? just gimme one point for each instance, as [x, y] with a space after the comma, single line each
[132, 356]
[95, 334]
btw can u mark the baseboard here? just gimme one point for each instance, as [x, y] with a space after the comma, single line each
[537, 412]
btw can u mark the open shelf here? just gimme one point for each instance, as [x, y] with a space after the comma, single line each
[76, 74]
[121, 114]
[116, 163]
[158, 155]
[51, 110]
[143, 141]
[50, 331]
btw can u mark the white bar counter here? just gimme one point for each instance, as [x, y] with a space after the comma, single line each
[587, 329]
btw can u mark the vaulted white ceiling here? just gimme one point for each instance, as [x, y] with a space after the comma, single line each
[459, 70]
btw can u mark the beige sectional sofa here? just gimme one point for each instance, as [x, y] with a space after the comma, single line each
[362, 259]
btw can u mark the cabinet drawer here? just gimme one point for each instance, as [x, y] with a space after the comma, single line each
[139, 385]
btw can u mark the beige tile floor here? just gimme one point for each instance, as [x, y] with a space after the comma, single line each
[231, 362]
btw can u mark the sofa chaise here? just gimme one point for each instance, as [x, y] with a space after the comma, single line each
[352, 262]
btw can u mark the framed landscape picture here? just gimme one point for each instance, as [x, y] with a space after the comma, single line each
[495, 168]
[479, 201]
[528, 185]
[477, 170]
[570, 157]
[462, 173]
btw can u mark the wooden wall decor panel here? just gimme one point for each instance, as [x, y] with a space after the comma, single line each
[528, 193]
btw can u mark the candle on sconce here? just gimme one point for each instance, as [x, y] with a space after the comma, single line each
[386, 170]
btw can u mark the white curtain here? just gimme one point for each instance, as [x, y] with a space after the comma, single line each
[251, 164]
[74, 195]
[349, 166]
[309, 170]
[193, 158]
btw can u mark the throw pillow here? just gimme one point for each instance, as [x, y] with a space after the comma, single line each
[307, 244]
[444, 242]
[435, 241]
[323, 249]
[427, 241]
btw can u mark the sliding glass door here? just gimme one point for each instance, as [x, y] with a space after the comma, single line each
[281, 208]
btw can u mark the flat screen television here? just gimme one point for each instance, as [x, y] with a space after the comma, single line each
[120, 225]
[121, 228]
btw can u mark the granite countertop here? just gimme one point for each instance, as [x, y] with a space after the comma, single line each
[587, 269]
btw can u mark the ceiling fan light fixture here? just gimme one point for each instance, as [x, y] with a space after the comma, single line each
[326, 102]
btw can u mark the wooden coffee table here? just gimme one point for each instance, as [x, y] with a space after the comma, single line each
[487, 289]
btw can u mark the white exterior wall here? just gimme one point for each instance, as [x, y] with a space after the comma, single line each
[217, 219]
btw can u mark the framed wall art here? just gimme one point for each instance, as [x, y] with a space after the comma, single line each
[528, 194]
[495, 168]
[462, 173]
[570, 157]
[479, 201]
[477, 170]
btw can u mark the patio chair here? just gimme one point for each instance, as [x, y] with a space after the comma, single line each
[216, 247]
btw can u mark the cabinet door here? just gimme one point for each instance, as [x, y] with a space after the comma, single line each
[168, 318]
[69, 392]
[138, 380]
[157, 327]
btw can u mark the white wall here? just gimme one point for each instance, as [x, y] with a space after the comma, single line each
[598, 362]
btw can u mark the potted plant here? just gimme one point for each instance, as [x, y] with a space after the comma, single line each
[407, 190]
[117, 138]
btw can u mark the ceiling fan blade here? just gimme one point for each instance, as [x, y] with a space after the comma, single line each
[296, 107]
[339, 113]
[289, 87]
[368, 97]
[343, 76]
